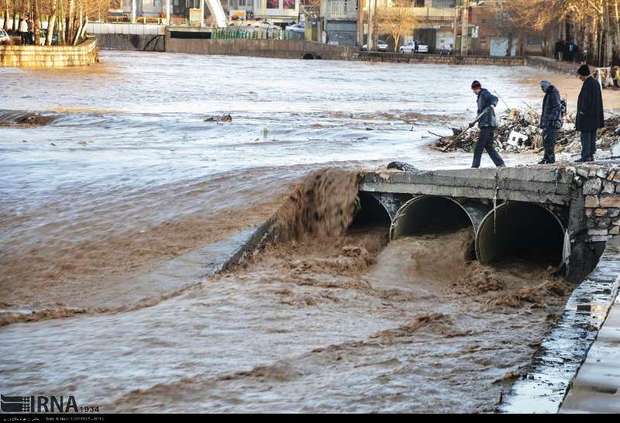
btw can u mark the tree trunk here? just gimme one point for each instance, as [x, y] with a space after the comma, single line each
[616, 14]
[607, 48]
[70, 22]
[51, 24]
[15, 17]
[6, 26]
[37, 23]
[62, 40]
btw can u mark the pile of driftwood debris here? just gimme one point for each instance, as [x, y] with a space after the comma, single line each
[518, 131]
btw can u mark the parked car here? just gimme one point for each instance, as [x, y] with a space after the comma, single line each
[408, 47]
[422, 48]
[413, 47]
[381, 46]
[4, 37]
[298, 27]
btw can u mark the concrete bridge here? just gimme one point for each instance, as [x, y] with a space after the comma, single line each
[560, 216]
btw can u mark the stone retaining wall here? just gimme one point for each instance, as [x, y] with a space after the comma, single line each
[553, 65]
[131, 42]
[601, 188]
[440, 59]
[285, 49]
[49, 57]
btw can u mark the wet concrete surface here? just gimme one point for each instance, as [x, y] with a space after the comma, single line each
[596, 387]
[543, 388]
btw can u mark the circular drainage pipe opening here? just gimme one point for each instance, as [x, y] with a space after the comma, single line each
[371, 214]
[433, 215]
[522, 231]
[429, 215]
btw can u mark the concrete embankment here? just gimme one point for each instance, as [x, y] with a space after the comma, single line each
[283, 49]
[439, 59]
[131, 42]
[552, 64]
[127, 36]
[49, 57]
[596, 387]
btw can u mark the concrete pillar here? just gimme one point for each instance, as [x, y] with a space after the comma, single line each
[202, 13]
[360, 22]
[168, 11]
[371, 23]
[133, 11]
[465, 29]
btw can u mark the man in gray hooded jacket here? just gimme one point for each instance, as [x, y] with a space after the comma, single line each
[488, 123]
[550, 120]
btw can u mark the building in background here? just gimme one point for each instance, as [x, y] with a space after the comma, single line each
[275, 11]
[339, 22]
[436, 24]
[491, 32]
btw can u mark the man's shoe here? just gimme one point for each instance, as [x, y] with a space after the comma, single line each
[543, 161]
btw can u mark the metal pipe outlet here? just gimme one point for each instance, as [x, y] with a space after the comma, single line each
[371, 212]
[432, 214]
[523, 231]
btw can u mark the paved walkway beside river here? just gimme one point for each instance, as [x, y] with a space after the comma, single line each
[596, 388]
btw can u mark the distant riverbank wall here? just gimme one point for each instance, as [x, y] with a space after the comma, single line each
[553, 65]
[44, 57]
[439, 59]
[183, 42]
[127, 36]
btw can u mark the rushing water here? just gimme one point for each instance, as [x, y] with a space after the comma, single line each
[132, 173]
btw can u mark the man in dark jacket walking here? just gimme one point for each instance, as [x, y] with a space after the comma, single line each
[550, 120]
[487, 122]
[590, 115]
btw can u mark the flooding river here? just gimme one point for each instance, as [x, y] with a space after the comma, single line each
[133, 172]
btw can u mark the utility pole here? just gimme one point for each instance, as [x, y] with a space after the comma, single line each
[361, 5]
[371, 21]
[202, 13]
[455, 27]
[465, 29]
[133, 11]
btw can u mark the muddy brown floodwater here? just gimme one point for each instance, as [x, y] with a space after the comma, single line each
[113, 186]
[323, 320]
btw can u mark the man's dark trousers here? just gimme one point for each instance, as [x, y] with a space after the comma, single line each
[485, 142]
[550, 136]
[588, 144]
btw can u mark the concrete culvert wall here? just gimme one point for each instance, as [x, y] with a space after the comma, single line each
[371, 213]
[520, 231]
[428, 215]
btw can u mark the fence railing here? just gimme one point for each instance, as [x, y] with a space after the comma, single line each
[232, 33]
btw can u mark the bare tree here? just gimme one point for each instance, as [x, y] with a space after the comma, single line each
[396, 21]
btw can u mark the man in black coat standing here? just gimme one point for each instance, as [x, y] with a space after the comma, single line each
[590, 115]
[550, 120]
[488, 123]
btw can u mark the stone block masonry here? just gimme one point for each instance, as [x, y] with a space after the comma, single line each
[600, 186]
[440, 59]
[43, 57]
[283, 49]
